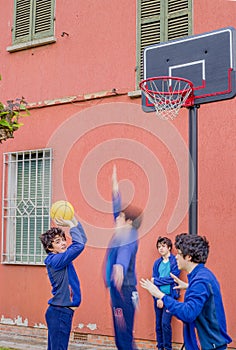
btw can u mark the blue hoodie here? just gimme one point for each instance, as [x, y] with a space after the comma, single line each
[202, 309]
[62, 274]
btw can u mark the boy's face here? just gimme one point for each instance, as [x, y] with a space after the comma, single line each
[121, 221]
[181, 261]
[163, 249]
[59, 245]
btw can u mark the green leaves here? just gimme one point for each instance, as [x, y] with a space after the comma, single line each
[10, 115]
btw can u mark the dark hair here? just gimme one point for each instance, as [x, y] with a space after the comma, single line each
[164, 240]
[197, 247]
[48, 237]
[134, 214]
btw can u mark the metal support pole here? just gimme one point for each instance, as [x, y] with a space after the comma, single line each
[193, 169]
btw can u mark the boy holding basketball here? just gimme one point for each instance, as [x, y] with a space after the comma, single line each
[64, 280]
[120, 268]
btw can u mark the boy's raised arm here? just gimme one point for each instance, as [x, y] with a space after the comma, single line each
[116, 199]
[115, 186]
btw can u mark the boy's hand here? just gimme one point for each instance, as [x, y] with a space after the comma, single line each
[160, 304]
[66, 223]
[151, 288]
[181, 284]
[115, 186]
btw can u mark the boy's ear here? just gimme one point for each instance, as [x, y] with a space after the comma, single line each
[51, 249]
[188, 257]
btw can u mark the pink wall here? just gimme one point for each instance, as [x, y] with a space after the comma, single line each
[101, 39]
[99, 55]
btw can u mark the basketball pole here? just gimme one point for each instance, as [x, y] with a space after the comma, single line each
[193, 169]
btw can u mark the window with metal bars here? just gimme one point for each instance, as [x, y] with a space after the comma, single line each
[25, 205]
[160, 21]
[33, 23]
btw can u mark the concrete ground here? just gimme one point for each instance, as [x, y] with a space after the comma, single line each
[17, 342]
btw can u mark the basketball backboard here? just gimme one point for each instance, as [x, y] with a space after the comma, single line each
[208, 60]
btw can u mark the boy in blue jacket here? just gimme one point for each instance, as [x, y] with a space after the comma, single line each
[120, 268]
[162, 269]
[202, 311]
[64, 280]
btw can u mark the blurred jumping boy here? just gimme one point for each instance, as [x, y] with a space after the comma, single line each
[120, 268]
[202, 311]
[162, 268]
[64, 280]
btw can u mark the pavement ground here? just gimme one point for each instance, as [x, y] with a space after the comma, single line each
[17, 342]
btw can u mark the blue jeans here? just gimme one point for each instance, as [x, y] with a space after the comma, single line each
[59, 322]
[163, 328]
[123, 310]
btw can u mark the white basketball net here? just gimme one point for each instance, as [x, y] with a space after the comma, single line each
[167, 95]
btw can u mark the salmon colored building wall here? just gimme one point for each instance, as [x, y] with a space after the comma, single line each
[74, 109]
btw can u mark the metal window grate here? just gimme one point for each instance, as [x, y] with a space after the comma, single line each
[25, 205]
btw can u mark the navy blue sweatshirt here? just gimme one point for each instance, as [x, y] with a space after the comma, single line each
[62, 274]
[202, 309]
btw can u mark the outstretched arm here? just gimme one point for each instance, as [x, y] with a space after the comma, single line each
[151, 288]
[76, 229]
[116, 199]
[115, 186]
[79, 239]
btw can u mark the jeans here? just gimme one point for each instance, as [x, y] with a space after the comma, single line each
[59, 322]
[163, 328]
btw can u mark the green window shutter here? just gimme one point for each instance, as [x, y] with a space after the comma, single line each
[33, 19]
[159, 21]
[179, 20]
[148, 33]
[43, 19]
[22, 21]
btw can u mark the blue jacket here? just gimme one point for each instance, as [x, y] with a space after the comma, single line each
[160, 281]
[202, 309]
[61, 272]
[122, 250]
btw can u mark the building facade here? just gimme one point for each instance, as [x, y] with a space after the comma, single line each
[78, 64]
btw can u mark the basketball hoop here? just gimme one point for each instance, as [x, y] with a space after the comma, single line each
[168, 95]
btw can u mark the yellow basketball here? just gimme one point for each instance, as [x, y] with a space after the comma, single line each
[62, 209]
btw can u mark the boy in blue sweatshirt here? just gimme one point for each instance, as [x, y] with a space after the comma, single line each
[64, 280]
[161, 277]
[202, 311]
[120, 268]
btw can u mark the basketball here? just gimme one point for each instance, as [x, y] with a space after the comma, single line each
[62, 209]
